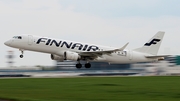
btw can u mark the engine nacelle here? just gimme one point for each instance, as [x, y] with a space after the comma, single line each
[71, 56]
[56, 57]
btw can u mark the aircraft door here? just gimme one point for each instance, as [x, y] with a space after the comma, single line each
[30, 39]
[130, 55]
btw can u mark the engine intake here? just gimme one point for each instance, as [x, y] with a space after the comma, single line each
[56, 57]
[71, 56]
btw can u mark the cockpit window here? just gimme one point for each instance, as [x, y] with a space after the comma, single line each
[17, 37]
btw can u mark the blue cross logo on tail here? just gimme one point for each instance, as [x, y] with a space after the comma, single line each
[154, 41]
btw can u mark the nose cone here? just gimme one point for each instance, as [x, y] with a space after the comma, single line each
[7, 43]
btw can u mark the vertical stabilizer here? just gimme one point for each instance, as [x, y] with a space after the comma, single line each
[152, 46]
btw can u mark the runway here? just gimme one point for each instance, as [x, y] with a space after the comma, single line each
[60, 74]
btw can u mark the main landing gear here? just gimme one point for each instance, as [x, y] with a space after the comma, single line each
[79, 65]
[22, 52]
[88, 65]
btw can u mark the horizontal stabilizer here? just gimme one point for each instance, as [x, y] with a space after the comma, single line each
[157, 56]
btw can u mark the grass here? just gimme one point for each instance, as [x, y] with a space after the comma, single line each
[91, 89]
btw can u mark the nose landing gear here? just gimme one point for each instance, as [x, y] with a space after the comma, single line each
[88, 65]
[79, 65]
[22, 52]
[21, 56]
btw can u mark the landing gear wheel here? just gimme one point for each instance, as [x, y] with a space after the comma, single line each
[21, 56]
[78, 65]
[88, 65]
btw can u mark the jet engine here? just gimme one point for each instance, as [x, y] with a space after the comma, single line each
[71, 56]
[56, 57]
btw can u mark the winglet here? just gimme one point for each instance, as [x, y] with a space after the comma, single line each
[121, 49]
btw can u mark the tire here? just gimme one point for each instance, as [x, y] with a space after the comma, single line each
[88, 65]
[78, 66]
[21, 56]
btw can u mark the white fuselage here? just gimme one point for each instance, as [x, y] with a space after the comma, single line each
[58, 47]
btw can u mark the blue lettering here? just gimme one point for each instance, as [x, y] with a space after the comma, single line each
[94, 48]
[49, 40]
[77, 45]
[66, 44]
[56, 43]
[85, 47]
[41, 40]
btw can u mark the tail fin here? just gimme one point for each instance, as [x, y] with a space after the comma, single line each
[152, 46]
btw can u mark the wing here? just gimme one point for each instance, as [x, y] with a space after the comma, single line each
[95, 54]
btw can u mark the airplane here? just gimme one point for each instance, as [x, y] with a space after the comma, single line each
[76, 51]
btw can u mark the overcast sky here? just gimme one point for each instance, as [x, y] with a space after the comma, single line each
[104, 22]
